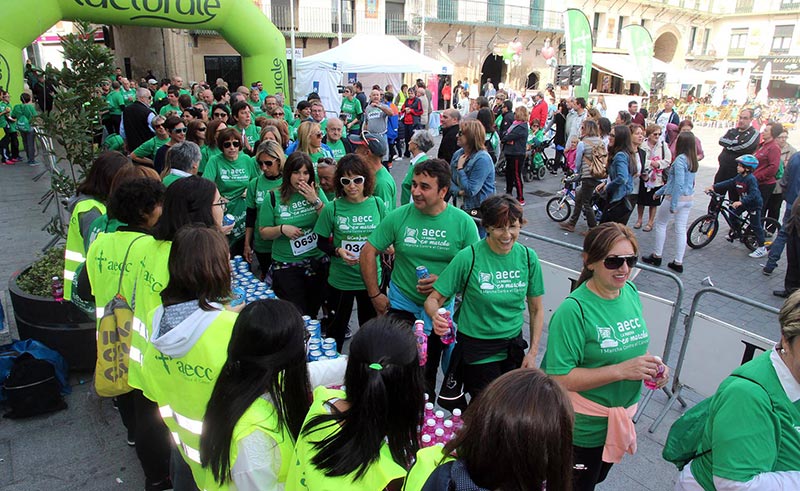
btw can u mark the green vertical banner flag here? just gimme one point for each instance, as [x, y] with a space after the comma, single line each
[578, 36]
[639, 43]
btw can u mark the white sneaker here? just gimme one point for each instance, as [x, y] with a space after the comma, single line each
[760, 252]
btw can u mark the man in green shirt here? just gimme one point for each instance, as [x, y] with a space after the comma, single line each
[128, 91]
[115, 103]
[146, 152]
[427, 232]
[184, 160]
[372, 148]
[161, 93]
[173, 107]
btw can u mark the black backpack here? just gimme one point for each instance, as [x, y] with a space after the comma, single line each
[32, 388]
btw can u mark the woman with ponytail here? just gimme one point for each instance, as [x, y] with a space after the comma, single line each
[259, 401]
[365, 438]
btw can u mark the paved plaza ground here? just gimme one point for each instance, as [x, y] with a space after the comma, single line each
[83, 448]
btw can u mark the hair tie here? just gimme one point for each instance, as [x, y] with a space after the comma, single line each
[376, 366]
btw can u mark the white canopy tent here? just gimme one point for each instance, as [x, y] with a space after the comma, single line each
[363, 54]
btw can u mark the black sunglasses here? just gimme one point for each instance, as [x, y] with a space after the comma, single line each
[203, 128]
[220, 115]
[268, 163]
[616, 262]
[358, 180]
[234, 144]
[179, 130]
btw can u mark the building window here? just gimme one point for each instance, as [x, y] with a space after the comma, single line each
[536, 17]
[782, 39]
[595, 26]
[692, 40]
[620, 24]
[706, 37]
[790, 4]
[744, 6]
[738, 42]
[447, 9]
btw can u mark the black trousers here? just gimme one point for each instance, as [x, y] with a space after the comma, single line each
[306, 291]
[791, 281]
[112, 123]
[145, 426]
[477, 377]
[514, 165]
[340, 303]
[589, 469]
[410, 128]
[725, 173]
[766, 193]
[9, 145]
[264, 262]
[774, 205]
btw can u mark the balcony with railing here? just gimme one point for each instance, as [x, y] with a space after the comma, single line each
[322, 22]
[520, 14]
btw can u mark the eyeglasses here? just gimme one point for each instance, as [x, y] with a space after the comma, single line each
[203, 128]
[319, 134]
[220, 115]
[616, 262]
[267, 162]
[222, 203]
[232, 143]
[179, 130]
[346, 181]
[157, 126]
[278, 114]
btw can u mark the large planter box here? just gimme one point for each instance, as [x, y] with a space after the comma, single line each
[59, 325]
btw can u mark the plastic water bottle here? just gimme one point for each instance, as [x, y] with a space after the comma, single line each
[450, 336]
[652, 384]
[439, 436]
[428, 411]
[448, 430]
[426, 441]
[430, 426]
[439, 417]
[422, 342]
[456, 419]
[57, 288]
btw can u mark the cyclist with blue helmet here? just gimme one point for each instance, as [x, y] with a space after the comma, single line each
[746, 185]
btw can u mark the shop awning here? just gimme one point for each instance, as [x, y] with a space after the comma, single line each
[782, 66]
[620, 65]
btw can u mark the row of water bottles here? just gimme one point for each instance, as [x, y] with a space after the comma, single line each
[436, 429]
[319, 348]
[245, 287]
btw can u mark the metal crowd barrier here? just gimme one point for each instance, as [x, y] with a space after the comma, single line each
[677, 385]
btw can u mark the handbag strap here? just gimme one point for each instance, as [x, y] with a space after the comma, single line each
[124, 262]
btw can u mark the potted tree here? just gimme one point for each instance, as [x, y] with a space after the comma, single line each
[73, 123]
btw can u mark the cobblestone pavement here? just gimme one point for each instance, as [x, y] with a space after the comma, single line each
[83, 448]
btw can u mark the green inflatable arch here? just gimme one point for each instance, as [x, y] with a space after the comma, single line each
[240, 22]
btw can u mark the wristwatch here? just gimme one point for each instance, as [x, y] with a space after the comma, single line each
[317, 203]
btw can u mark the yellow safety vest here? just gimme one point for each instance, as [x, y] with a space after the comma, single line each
[153, 275]
[260, 416]
[428, 459]
[74, 253]
[182, 386]
[304, 476]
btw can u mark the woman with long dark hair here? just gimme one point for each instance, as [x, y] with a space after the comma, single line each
[87, 205]
[560, 139]
[516, 437]
[364, 438]
[597, 349]
[210, 149]
[259, 402]
[287, 218]
[621, 171]
[678, 194]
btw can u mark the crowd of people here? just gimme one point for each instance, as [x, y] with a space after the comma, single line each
[223, 395]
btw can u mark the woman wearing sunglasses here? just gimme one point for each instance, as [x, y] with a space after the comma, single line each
[220, 112]
[309, 141]
[349, 219]
[597, 348]
[287, 217]
[146, 152]
[196, 132]
[270, 159]
[176, 129]
[231, 171]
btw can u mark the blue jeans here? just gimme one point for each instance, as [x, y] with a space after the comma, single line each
[776, 249]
